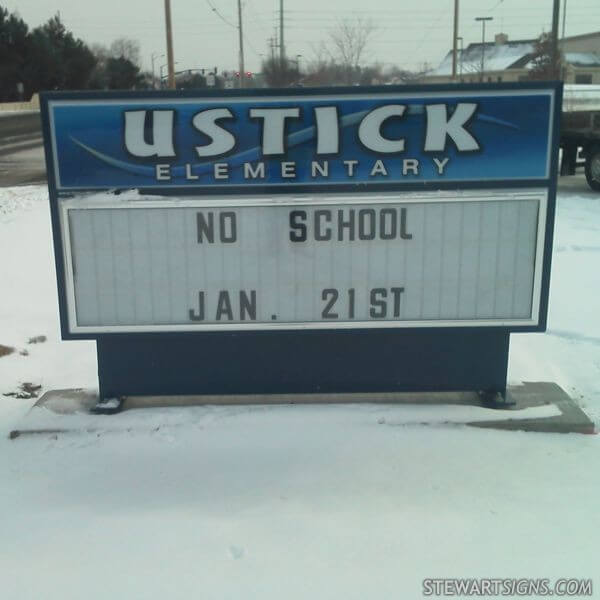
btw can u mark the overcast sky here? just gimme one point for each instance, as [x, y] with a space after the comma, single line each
[407, 33]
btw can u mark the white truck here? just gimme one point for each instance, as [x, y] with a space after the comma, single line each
[580, 132]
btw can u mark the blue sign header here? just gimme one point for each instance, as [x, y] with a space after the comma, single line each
[312, 139]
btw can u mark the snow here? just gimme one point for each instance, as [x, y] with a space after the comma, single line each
[500, 57]
[583, 58]
[497, 57]
[18, 111]
[578, 97]
[29, 304]
[167, 418]
[294, 501]
[569, 353]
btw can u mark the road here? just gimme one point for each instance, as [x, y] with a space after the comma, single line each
[21, 152]
[22, 156]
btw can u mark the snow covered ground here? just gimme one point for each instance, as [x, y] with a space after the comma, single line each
[290, 502]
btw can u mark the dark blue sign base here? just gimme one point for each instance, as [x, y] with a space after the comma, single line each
[297, 362]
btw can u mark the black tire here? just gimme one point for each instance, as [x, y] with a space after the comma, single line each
[592, 168]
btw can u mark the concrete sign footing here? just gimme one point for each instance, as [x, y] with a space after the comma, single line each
[533, 406]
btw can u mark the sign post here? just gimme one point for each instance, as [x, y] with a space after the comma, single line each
[296, 241]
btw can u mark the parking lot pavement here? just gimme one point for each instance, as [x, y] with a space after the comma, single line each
[576, 184]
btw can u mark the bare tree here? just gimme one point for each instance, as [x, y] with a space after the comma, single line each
[279, 73]
[126, 48]
[101, 52]
[542, 62]
[322, 54]
[340, 60]
[322, 73]
[350, 40]
[322, 69]
[396, 75]
[99, 79]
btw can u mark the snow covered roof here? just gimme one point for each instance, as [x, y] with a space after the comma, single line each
[587, 59]
[497, 57]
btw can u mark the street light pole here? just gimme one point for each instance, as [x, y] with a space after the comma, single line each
[455, 39]
[483, 20]
[281, 44]
[153, 58]
[170, 59]
[555, 50]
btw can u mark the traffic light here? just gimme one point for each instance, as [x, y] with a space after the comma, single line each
[248, 73]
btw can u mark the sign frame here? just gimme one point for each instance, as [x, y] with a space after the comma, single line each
[135, 349]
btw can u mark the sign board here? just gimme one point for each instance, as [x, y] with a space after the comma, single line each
[389, 260]
[315, 142]
[385, 209]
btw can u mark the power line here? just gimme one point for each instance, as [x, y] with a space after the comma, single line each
[233, 26]
[258, 19]
[251, 46]
[428, 30]
[220, 15]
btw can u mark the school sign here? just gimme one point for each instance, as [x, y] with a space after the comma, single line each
[358, 239]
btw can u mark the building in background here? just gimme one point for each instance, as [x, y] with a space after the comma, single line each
[506, 60]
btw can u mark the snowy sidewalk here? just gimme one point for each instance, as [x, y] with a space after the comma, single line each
[297, 502]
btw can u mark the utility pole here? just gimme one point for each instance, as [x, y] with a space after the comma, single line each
[170, 59]
[461, 56]
[281, 46]
[555, 50]
[483, 20]
[241, 32]
[272, 46]
[455, 40]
